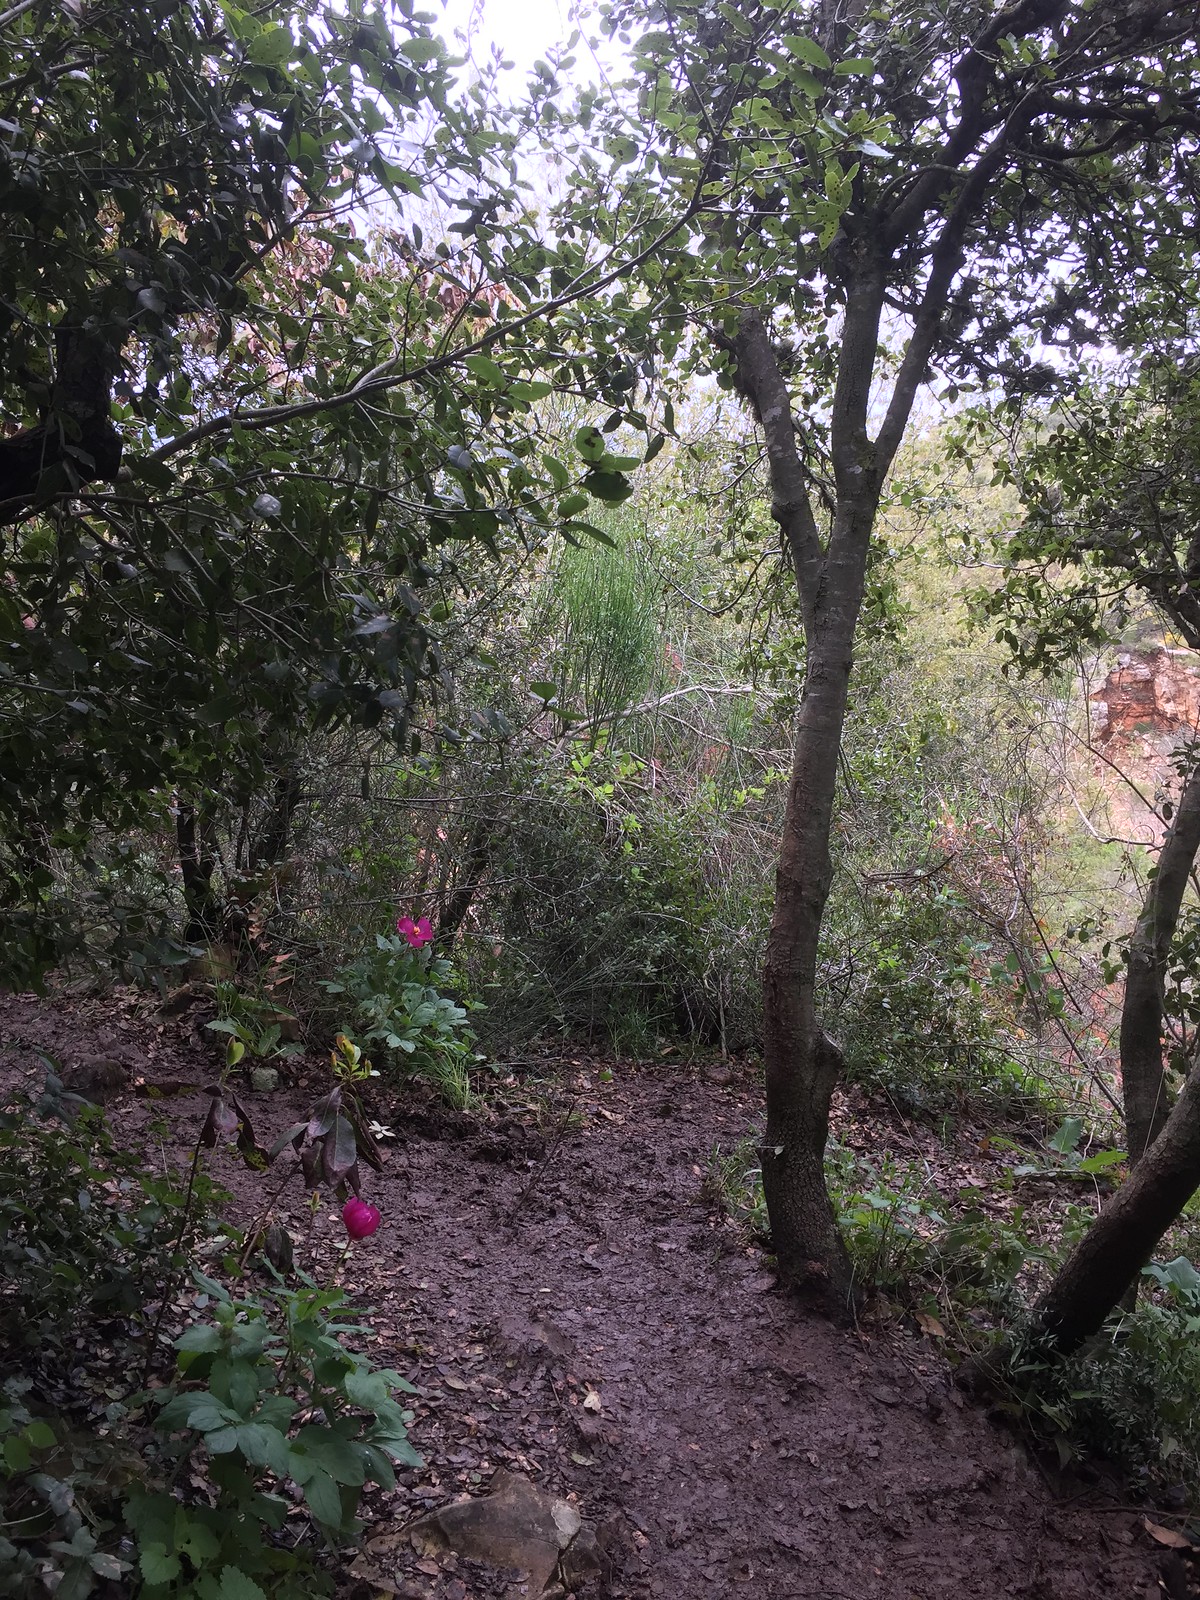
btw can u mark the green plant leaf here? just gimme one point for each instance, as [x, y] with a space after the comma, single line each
[366, 1388]
[324, 1498]
[235, 1585]
[157, 1565]
[200, 1338]
[332, 1453]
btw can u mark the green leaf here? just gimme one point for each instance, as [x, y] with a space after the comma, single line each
[157, 1564]
[235, 1585]
[325, 1499]
[243, 1386]
[378, 1468]
[332, 1453]
[590, 444]
[206, 1413]
[199, 1542]
[399, 1449]
[264, 1446]
[1067, 1136]
[611, 487]
[1102, 1160]
[200, 1338]
[484, 367]
[421, 50]
[271, 48]
[363, 1387]
[806, 50]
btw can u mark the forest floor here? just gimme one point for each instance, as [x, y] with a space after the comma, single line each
[573, 1308]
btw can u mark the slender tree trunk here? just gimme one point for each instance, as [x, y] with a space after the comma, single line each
[478, 853]
[271, 840]
[802, 1065]
[1142, 1074]
[198, 864]
[1112, 1253]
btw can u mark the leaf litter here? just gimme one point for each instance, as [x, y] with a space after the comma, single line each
[717, 1438]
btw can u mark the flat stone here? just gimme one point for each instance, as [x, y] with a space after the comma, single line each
[514, 1525]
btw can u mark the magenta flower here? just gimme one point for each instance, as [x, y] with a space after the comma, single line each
[417, 933]
[361, 1220]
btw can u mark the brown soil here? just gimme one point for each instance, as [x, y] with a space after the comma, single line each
[572, 1309]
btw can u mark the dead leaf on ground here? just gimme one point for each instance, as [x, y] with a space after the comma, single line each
[1168, 1536]
[591, 1401]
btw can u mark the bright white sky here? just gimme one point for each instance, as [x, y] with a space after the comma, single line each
[524, 29]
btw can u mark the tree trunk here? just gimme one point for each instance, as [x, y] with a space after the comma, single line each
[198, 864]
[76, 443]
[482, 840]
[1109, 1257]
[1142, 1075]
[271, 839]
[802, 1065]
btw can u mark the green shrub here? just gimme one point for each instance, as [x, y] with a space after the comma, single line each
[394, 1000]
[267, 1393]
[1130, 1394]
[46, 1476]
[618, 919]
[887, 1215]
[914, 1010]
[86, 1232]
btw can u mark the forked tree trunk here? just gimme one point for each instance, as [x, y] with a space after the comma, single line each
[802, 1065]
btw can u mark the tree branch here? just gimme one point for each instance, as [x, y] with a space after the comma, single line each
[761, 381]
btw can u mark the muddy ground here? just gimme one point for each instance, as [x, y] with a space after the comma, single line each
[554, 1279]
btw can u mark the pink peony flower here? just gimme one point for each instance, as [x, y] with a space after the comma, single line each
[361, 1220]
[417, 933]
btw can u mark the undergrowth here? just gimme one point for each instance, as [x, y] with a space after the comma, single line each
[175, 1485]
[966, 1269]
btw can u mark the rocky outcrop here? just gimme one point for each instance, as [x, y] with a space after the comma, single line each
[1152, 696]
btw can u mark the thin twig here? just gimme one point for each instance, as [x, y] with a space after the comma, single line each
[551, 1151]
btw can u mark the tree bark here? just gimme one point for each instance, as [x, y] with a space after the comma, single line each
[801, 1064]
[198, 864]
[476, 856]
[271, 839]
[1143, 1077]
[1109, 1257]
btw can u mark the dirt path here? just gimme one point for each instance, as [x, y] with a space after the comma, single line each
[572, 1309]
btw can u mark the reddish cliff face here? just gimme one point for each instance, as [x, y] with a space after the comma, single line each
[1151, 696]
[1148, 706]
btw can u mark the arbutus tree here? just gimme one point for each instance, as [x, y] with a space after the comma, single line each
[900, 193]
